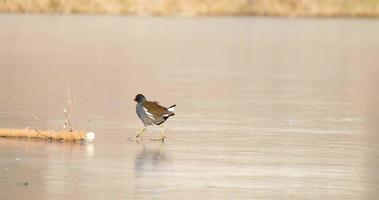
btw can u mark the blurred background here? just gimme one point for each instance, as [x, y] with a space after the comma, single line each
[276, 99]
[350, 8]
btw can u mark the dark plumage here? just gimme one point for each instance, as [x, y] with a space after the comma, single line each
[151, 113]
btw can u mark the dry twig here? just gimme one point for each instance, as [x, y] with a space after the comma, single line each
[67, 123]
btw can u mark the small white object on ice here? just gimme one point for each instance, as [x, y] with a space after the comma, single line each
[90, 136]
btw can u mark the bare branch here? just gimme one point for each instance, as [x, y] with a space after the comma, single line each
[35, 118]
[36, 130]
[68, 124]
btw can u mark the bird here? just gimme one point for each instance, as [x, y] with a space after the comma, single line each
[151, 113]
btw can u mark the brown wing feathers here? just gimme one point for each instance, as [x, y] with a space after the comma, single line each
[155, 109]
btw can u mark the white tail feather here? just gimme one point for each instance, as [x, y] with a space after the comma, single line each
[171, 108]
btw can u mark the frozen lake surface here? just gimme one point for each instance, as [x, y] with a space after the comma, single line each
[266, 108]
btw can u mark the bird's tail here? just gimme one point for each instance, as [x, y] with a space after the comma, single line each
[171, 109]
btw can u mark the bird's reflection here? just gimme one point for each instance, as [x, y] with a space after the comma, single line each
[150, 158]
[150, 166]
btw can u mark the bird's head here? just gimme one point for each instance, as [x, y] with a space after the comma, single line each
[139, 98]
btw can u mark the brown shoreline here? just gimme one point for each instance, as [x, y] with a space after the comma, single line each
[284, 8]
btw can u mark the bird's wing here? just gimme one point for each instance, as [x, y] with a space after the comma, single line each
[154, 108]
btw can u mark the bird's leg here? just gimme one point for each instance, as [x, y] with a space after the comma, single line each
[162, 135]
[139, 134]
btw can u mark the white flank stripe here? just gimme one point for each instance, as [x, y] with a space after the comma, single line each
[172, 109]
[149, 115]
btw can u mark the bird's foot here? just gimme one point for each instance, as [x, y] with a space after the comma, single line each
[139, 138]
[162, 139]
